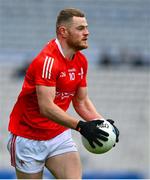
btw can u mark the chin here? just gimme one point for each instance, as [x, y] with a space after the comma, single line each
[79, 48]
[84, 46]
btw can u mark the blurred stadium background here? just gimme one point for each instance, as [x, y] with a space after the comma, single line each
[119, 74]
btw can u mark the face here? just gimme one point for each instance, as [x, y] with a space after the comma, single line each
[77, 34]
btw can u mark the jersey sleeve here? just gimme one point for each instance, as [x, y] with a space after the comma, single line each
[45, 70]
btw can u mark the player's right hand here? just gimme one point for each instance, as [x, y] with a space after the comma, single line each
[91, 132]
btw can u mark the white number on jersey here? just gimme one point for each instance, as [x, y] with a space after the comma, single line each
[72, 76]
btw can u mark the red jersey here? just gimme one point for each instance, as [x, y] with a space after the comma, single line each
[49, 68]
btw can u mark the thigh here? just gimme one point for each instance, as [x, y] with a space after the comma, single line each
[65, 166]
[22, 175]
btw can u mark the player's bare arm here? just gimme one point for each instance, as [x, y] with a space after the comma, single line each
[83, 105]
[50, 110]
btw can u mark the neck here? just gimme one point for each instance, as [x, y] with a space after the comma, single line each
[67, 52]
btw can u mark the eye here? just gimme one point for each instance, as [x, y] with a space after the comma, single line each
[81, 28]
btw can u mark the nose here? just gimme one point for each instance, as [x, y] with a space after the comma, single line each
[86, 32]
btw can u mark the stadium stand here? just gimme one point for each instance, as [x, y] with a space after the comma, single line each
[119, 92]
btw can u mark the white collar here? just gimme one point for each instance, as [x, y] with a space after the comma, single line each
[59, 47]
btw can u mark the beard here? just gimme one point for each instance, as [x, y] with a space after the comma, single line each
[77, 45]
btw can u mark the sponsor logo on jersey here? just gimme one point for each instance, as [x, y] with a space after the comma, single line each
[72, 70]
[64, 95]
[63, 74]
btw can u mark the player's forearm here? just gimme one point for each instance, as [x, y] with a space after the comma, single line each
[86, 110]
[49, 109]
[53, 112]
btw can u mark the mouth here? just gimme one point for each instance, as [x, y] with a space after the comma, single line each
[85, 39]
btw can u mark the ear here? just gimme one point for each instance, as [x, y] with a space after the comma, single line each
[63, 31]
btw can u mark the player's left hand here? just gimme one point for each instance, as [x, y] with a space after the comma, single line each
[116, 129]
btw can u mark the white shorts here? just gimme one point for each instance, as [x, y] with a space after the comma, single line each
[29, 156]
